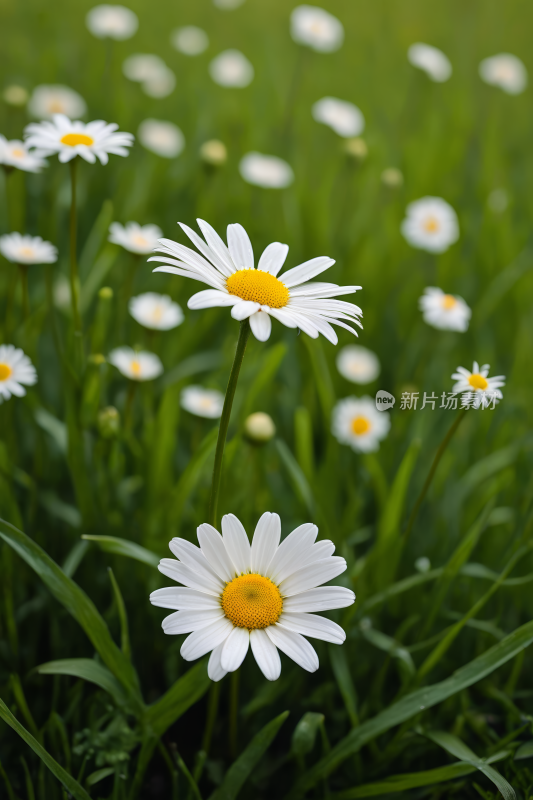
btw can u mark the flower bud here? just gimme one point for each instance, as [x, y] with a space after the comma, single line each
[105, 293]
[16, 95]
[356, 148]
[108, 422]
[259, 428]
[214, 152]
[392, 178]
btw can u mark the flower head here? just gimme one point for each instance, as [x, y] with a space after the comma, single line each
[260, 595]
[70, 139]
[484, 390]
[162, 85]
[259, 427]
[316, 28]
[357, 422]
[17, 154]
[16, 369]
[190, 40]
[357, 364]
[214, 152]
[49, 100]
[136, 365]
[163, 138]
[431, 60]
[343, 117]
[112, 22]
[259, 294]
[430, 224]
[27, 249]
[231, 68]
[15, 95]
[202, 402]
[136, 238]
[141, 67]
[269, 172]
[444, 311]
[156, 311]
[505, 71]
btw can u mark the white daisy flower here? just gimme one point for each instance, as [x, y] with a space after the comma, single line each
[162, 86]
[24, 249]
[484, 390]
[190, 40]
[357, 422]
[112, 22]
[231, 68]
[70, 139]
[16, 369]
[141, 67]
[136, 238]
[431, 60]
[269, 172]
[15, 153]
[15, 95]
[357, 364]
[430, 224]
[258, 294]
[49, 100]
[506, 71]
[156, 311]
[316, 28]
[343, 117]
[136, 365]
[202, 402]
[444, 311]
[260, 595]
[162, 138]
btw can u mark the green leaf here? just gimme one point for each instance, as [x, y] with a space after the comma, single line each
[123, 547]
[89, 670]
[297, 477]
[266, 374]
[54, 427]
[99, 775]
[208, 361]
[341, 670]
[389, 524]
[303, 440]
[186, 691]
[96, 238]
[392, 648]
[97, 274]
[486, 468]
[189, 479]
[524, 751]
[323, 381]
[304, 736]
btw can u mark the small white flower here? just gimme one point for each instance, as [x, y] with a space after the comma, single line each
[431, 60]
[357, 422]
[15, 153]
[162, 86]
[228, 5]
[269, 172]
[498, 200]
[423, 564]
[484, 390]
[231, 68]
[70, 138]
[142, 67]
[136, 365]
[260, 595]
[392, 177]
[15, 369]
[214, 152]
[345, 118]
[26, 249]
[156, 311]
[316, 28]
[136, 238]
[113, 22]
[357, 364]
[430, 224]
[15, 95]
[259, 427]
[163, 138]
[49, 100]
[505, 71]
[190, 40]
[444, 311]
[202, 402]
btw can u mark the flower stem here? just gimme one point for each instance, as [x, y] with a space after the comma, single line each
[244, 333]
[233, 713]
[23, 269]
[74, 279]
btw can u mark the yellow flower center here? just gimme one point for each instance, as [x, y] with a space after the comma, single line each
[360, 425]
[56, 107]
[157, 313]
[26, 252]
[135, 367]
[139, 240]
[448, 301]
[72, 139]
[5, 372]
[252, 601]
[17, 152]
[258, 286]
[431, 225]
[477, 381]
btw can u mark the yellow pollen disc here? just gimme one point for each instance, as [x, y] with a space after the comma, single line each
[259, 287]
[139, 240]
[360, 425]
[448, 301]
[18, 153]
[27, 252]
[135, 367]
[5, 372]
[431, 225]
[157, 313]
[72, 139]
[252, 601]
[477, 381]
[55, 107]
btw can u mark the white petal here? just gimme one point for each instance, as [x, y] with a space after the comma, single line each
[210, 298]
[222, 265]
[314, 626]
[200, 642]
[214, 667]
[273, 257]
[293, 645]
[178, 597]
[317, 552]
[261, 325]
[235, 649]
[240, 247]
[193, 557]
[187, 621]
[244, 309]
[182, 574]
[215, 551]
[291, 549]
[284, 316]
[236, 542]
[313, 575]
[216, 244]
[265, 542]
[266, 654]
[324, 598]
[304, 272]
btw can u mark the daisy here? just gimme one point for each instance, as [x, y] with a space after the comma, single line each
[140, 239]
[16, 154]
[258, 294]
[430, 224]
[214, 152]
[316, 28]
[156, 311]
[343, 117]
[269, 172]
[163, 138]
[505, 71]
[49, 100]
[484, 390]
[444, 311]
[431, 60]
[136, 365]
[162, 86]
[113, 22]
[26, 249]
[15, 95]
[357, 422]
[190, 40]
[15, 369]
[231, 68]
[202, 402]
[260, 595]
[357, 364]
[70, 139]
[142, 67]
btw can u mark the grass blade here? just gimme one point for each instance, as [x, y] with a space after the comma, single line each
[186, 691]
[89, 670]
[123, 547]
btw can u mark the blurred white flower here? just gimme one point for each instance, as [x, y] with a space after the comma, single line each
[270, 172]
[423, 564]
[444, 311]
[228, 5]
[357, 422]
[70, 138]
[430, 224]
[259, 427]
[15, 95]
[15, 153]
[392, 177]
[142, 67]
[505, 71]
[231, 68]
[163, 138]
[49, 100]
[483, 389]
[113, 22]
[136, 365]
[214, 152]
[162, 86]
[190, 40]
[26, 249]
[357, 364]
[345, 118]
[155, 311]
[316, 28]
[16, 369]
[498, 200]
[202, 402]
[134, 237]
[431, 60]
